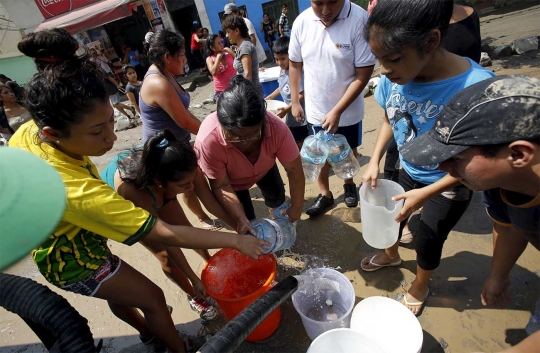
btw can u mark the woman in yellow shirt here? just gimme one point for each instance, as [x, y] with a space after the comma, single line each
[72, 119]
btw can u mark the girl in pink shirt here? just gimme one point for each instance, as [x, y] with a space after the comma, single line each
[220, 64]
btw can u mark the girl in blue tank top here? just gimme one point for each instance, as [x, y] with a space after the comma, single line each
[418, 78]
[164, 103]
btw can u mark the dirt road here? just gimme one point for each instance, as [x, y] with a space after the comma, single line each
[454, 315]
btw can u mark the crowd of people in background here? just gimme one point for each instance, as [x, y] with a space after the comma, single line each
[432, 91]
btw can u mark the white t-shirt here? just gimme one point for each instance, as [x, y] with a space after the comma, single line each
[261, 54]
[102, 62]
[330, 56]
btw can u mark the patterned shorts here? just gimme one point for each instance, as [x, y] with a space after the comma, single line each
[90, 285]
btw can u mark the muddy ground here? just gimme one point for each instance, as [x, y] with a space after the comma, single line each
[454, 319]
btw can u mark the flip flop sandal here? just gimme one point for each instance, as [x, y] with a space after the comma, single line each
[214, 227]
[420, 304]
[377, 266]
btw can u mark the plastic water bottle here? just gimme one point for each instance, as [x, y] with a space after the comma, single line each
[280, 232]
[341, 157]
[314, 153]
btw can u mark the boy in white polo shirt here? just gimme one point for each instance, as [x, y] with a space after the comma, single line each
[327, 42]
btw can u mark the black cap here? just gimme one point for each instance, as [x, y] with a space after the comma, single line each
[498, 110]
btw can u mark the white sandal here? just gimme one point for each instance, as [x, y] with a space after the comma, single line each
[378, 266]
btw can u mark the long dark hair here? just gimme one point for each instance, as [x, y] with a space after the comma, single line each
[210, 42]
[240, 105]
[162, 159]
[67, 86]
[162, 43]
[397, 24]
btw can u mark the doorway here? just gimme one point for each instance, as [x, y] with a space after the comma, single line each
[183, 20]
[273, 8]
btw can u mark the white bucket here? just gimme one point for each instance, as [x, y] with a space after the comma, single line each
[273, 106]
[389, 323]
[317, 288]
[378, 212]
[344, 340]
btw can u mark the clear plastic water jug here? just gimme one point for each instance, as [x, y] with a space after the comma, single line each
[342, 158]
[378, 212]
[314, 153]
[280, 232]
[324, 300]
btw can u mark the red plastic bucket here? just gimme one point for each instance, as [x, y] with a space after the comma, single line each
[235, 280]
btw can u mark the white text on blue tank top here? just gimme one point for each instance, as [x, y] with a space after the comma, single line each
[403, 113]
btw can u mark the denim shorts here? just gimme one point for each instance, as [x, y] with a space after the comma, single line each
[90, 285]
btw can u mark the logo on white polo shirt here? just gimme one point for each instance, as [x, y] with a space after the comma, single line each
[343, 46]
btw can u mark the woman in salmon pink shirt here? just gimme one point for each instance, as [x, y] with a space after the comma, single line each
[220, 64]
[238, 147]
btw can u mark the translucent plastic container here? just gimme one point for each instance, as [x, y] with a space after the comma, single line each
[341, 158]
[324, 300]
[274, 105]
[389, 323]
[280, 232]
[344, 340]
[314, 153]
[378, 212]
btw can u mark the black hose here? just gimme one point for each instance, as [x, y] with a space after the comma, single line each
[234, 333]
[37, 303]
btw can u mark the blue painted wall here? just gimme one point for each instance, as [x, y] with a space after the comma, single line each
[19, 68]
[254, 10]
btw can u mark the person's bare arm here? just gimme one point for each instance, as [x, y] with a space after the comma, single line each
[195, 238]
[253, 38]
[213, 67]
[273, 94]
[156, 91]
[131, 97]
[295, 77]
[281, 30]
[199, 40]
[230, 51]
[297, 187]
[208, 199]
[508, 245]
[246, 64]
[362, 75]
[226, 196]
[416, 198]
[530, 344]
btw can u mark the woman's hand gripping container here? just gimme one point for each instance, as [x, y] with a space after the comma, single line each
[341, 157]
[314, 153]
[378, 213]
[280, 232]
